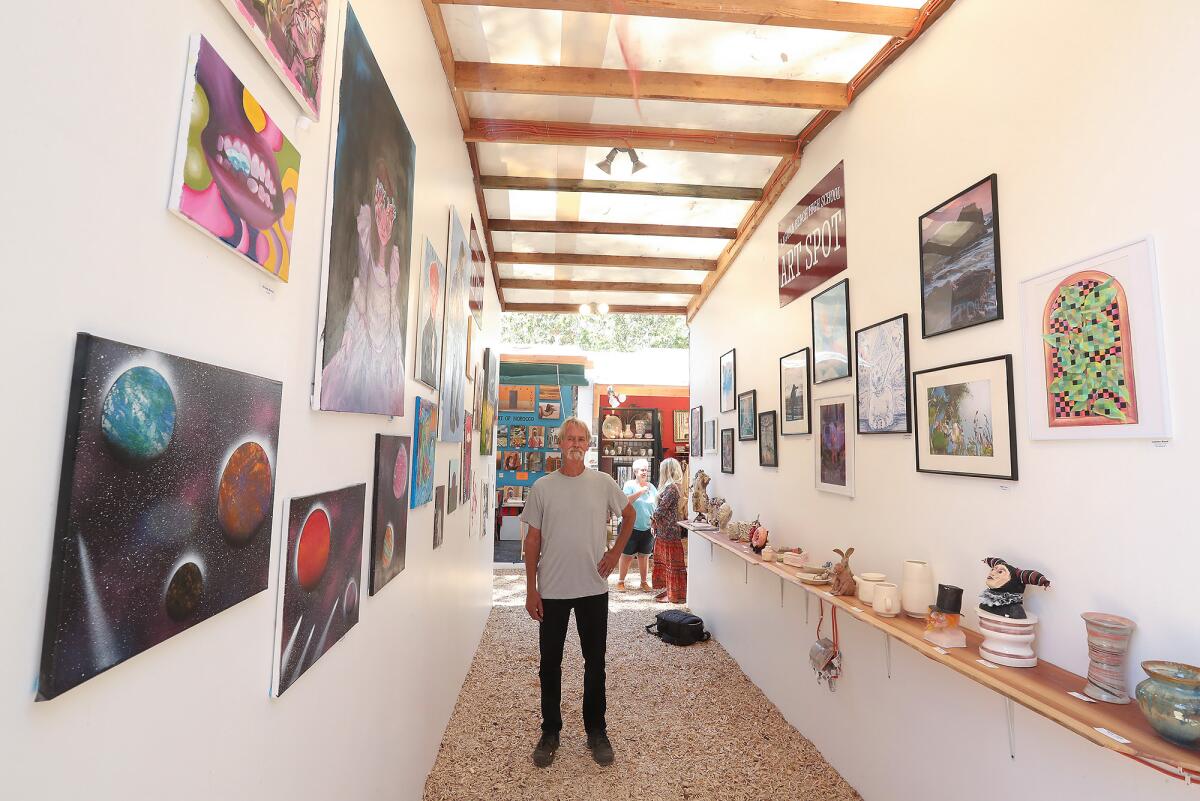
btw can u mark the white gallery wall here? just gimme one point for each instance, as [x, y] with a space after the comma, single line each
[92, 105]
[1083, 110]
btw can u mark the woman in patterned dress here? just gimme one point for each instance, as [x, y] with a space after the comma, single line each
[670, 569]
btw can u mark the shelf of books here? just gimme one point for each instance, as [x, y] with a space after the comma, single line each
[527, 438]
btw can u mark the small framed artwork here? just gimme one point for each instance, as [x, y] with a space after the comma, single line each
[831, 333]
[835, 451]
[728, 380]
[881, 355]
[747, 404]
[960, 261]
[710, 437]
[696, 429]
[965, 414]
[681, 425]
[794, 392]
[768, 439]
[726, 450]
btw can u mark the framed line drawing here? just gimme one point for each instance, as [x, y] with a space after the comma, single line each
[881, 354]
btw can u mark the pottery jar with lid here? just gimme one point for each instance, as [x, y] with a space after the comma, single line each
[1170, 700]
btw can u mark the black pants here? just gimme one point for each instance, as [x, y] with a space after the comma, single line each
[591, 621]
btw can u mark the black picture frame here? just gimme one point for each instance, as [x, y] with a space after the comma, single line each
[732, 354]
[727, 450]
[805, 401]
[924, 249]
[768, 437]
[1010, 406]
[864, 398]
[696, 431]
[843, 285]
[749, 398]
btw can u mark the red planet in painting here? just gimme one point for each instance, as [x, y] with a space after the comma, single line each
[312, 551]
[244, 493]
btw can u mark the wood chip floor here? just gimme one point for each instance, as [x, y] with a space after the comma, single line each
[711, 735]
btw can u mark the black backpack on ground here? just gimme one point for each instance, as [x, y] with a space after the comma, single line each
[677, 627]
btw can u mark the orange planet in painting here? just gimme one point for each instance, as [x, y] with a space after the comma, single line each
[244, 493]
[312, 551]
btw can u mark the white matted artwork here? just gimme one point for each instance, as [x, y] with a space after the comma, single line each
[964, 419]
[1095, 367]
[835, 445]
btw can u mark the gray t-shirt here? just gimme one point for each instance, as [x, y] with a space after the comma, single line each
[572, 513]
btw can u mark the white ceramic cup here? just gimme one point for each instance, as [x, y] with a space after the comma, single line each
[886, 600]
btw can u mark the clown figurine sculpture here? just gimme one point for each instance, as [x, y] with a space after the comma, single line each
[1008, 632]
[1005, 593]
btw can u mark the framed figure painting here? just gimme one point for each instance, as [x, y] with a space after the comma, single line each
[454, 333]
[881, 353]
[831, 333]
[696, 445]
[1095, 367]
[747, 407]
[726, 450]
[729, 380]
[835, 446]
[965, 414]
[768, 439]
[960, 261]
[794, 392]
[429, 318]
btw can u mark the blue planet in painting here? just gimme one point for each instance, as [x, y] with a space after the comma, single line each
[138, 416]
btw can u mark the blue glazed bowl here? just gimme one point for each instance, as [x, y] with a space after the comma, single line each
[1170, 700]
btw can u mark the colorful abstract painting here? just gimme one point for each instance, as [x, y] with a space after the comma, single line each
[291, 36]
[320, 571]
[454, 337]
[389, 521]
[478, 282]
[488, 400]
[960, 261]
[794, 392]
[835, 448]
[959, 417]
[425, 449]
[429, 317]
[965, 416]
[236, 174]
[831, 333]
[164, 506]
[364, 302]
[467, 452]
[881, 351]
[439, 517]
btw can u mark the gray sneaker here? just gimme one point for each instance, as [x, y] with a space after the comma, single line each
[543, 755]
[601, 748]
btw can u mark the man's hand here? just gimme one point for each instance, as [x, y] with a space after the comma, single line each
[608, 563]
[533, 605]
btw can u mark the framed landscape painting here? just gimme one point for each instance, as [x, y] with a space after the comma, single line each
[795, 392]
[1095, 367]
[835, 447]
[729, 381]
[696, 446]
[768, 439]
[747, 405]
[960, 261]
[726, 450]
[831, 333]
[965, 419]
[881, 352]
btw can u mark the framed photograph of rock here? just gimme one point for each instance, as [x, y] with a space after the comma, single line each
[960, 261]
[747, 409]
[881, 352]
[389, 519]
[768, 439]
[835, 446]
[726, 450]
[729, 381]
[831, 333]
[965, 423]
[1094, 358]
[795, 391]
[696, 431]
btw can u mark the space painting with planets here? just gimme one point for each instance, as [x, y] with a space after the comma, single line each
[164, 508]
[320, 581]
[389, 527]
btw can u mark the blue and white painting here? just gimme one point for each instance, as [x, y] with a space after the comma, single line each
[883, 397]
[729, 381]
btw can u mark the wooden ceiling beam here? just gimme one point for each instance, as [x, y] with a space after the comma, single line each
[617, 229]
[538, 132]
[587, 260]
[600, 286]
[619, 187]
[567, 308]
[475, 76]
[827, 15]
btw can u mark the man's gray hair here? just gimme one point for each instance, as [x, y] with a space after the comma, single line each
[574, 421]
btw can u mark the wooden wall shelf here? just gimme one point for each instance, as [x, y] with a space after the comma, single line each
[1043, 689]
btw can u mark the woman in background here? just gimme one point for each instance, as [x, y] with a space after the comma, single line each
[644, 497]
[670, 568]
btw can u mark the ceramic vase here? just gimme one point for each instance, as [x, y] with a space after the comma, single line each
[1108, 643]
[1170, 700]
[1007, 641]
[917, 591]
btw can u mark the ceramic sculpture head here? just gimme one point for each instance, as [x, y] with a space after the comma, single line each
[1005, 593]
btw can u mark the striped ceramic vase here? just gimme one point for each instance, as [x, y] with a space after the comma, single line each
[1108, 643]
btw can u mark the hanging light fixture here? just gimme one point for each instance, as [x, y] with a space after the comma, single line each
[638, 164]
[605, 164]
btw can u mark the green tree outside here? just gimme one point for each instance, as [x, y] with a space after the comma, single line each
[596, 332]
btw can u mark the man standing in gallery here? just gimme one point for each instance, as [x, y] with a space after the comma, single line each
[567, 567]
